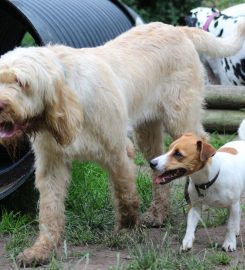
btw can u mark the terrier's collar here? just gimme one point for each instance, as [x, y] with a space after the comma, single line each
[205, 186]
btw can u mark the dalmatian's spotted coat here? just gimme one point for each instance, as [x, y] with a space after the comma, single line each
[230, 70]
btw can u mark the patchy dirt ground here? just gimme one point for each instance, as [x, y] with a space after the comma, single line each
[95, 257]
[100, 258]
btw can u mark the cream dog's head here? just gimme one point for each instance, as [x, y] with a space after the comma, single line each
[34, 95]
[186, 155]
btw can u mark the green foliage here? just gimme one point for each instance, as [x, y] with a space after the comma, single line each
[220, 258]
[12, 222]
[18, 226]
[27, 41]
[155, 257]
[217, 140]
[216, 217]
[139, 159]
[88, 208]
[222, 4]
[172, 12]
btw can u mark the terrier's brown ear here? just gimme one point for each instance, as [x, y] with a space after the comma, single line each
[63, 115]
[206, 150]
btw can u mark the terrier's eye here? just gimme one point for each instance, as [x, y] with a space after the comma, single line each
[177, 154]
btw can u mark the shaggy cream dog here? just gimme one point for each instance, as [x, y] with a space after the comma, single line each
[79, 104]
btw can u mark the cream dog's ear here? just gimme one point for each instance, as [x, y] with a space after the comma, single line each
[9, 77]
[206, 150]
[63, 115]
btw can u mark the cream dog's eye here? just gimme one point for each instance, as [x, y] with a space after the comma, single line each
[177, 154]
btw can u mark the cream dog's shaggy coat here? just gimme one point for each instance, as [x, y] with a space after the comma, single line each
[80, 102]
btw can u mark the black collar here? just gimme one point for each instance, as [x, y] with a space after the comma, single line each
[206, 185]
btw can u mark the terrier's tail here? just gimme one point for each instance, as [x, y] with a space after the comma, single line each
[241, 130]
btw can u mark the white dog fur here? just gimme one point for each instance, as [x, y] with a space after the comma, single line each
[189, 155]
[80, 102]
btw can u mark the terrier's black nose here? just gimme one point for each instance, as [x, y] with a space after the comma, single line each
[153, 164]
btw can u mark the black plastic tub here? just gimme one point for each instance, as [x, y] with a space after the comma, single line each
[14, 171]
[76, 23]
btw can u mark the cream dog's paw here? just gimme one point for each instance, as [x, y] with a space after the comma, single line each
[32, 257]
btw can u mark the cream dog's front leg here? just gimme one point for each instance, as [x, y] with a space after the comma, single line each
[192, 221]
[233, 227]
[52, 176]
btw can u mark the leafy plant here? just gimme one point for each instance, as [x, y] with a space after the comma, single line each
[172, 12]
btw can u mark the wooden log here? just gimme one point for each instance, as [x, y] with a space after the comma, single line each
[223, 121]
[224, 97]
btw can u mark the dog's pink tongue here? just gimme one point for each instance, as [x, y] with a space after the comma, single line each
[158, 180]
[6, 134]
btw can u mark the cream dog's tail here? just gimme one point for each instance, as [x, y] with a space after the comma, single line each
[207, 43]
[241, 130]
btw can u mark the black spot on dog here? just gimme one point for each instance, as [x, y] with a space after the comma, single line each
[235, 83]
[216, 24]
[243, 65]
[235, 71]
[235, 21]
[220, 33]
[238, 70]
[242, 83]
[227, 67]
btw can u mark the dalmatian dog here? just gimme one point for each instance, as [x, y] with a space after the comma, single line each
[229, 70]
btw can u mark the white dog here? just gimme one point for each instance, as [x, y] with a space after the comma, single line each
[229, 70]
[217, 178]
[80, 102]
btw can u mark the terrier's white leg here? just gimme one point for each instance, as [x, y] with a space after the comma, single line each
[192, 221]
[233, 227]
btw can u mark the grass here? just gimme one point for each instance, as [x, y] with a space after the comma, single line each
[90, 220]
[222, 4]
[20, 229]
[27, 40]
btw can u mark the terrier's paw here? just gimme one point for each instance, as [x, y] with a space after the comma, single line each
[229, 245]
[187, 244]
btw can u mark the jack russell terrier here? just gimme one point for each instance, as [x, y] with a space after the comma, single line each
[217, 179]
